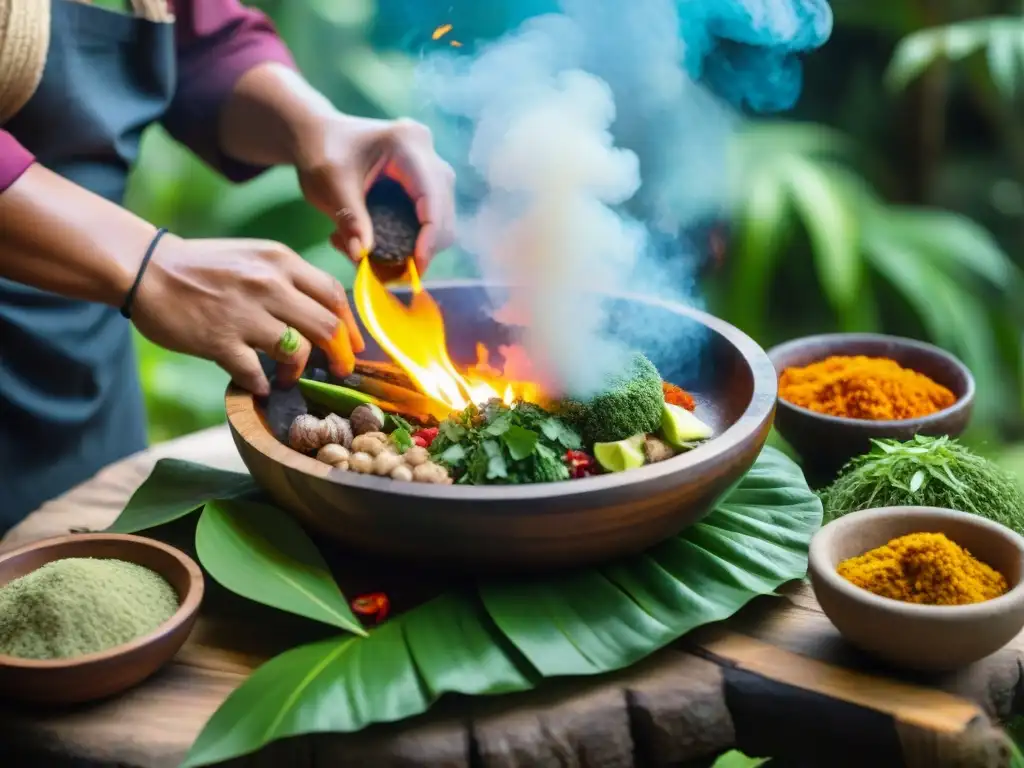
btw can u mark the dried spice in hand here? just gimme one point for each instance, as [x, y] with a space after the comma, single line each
[874, 388]
[925, 568]
[395, 228]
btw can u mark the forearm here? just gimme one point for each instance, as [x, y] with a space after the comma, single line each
[272, 117]
[59, 237]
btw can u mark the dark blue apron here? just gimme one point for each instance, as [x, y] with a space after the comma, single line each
[70, 401]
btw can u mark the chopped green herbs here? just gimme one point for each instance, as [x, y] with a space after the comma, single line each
[496, 444]
[400, 423]
[926, 471]
[402, 439]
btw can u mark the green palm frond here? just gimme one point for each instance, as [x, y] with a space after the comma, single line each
[1000, 37]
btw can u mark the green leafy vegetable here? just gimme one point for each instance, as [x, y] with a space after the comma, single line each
[174, 489]
[503, 637]
[609, 617]
[402, 439]
[259, 552]
[496, 444]
[337, 399]
[736, 759]
[521, 442]
[926, 471]
[631, 405]
[396, 421]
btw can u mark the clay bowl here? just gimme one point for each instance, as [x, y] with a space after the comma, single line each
[918, 637]
[98, 675]
[826, 443]
[544, 526]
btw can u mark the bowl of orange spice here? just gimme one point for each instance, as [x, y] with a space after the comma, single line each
[838, 392]
[921, 588]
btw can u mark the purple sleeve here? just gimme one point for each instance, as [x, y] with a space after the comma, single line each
[14, 160]
[217, 41]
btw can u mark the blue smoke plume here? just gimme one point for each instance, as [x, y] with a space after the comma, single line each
[747, 52]
[591, 139]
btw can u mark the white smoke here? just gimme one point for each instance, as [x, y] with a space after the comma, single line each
[544, 117]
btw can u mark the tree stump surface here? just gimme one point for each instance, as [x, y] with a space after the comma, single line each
[774, 680]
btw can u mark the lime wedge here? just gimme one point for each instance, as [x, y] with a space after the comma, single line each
[621, 455]
[680, 428]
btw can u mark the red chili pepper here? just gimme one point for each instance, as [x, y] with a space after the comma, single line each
[429, 434]
[580, 464]
[372, 606]
[421, 442]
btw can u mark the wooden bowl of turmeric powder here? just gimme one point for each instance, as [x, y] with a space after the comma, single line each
[838, 392]
[921, 588]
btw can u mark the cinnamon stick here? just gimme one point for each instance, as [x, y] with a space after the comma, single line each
[405, 399]
[385, 371]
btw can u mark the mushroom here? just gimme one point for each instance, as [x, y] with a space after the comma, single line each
[657, 450]
[416, 455]
[366, 418]
[338, 430]
[402, 472]
[386, 462]
[369, 444]
[333, 454]
[361, 462]
[431, 473]
[304, 433]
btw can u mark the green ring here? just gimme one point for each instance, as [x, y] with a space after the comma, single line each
[289, 341]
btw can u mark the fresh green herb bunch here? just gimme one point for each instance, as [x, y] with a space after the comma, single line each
[926, 471]
[631, 405]
[498, 445]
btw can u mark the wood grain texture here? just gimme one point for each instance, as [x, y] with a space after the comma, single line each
[747, 683]
[539, 526]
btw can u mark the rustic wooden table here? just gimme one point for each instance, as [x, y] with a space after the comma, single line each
[775, 680]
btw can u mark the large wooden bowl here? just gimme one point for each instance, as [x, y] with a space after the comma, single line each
[542, 526]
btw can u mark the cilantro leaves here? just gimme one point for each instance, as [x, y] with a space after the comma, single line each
[495, 444]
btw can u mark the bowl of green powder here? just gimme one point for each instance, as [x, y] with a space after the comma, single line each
[85, 617]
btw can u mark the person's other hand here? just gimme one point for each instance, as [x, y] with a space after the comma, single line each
[342, 158]
[225, 299]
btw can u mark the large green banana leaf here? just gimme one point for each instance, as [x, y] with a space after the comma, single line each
[488, 638]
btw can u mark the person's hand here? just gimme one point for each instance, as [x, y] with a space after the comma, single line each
[341, 159]
[225, 299]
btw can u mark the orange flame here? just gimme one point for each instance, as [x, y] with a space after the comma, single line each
[414, 337]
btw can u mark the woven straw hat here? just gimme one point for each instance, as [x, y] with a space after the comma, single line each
[25, 38]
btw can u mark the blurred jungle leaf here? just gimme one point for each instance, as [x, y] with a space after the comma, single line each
[1002, 37]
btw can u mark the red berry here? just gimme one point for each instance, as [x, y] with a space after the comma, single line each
[417, 440]
[428, 434]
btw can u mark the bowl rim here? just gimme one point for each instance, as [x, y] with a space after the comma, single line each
[819, 566]
[247, 424]
[959, 404]
[186, 608]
